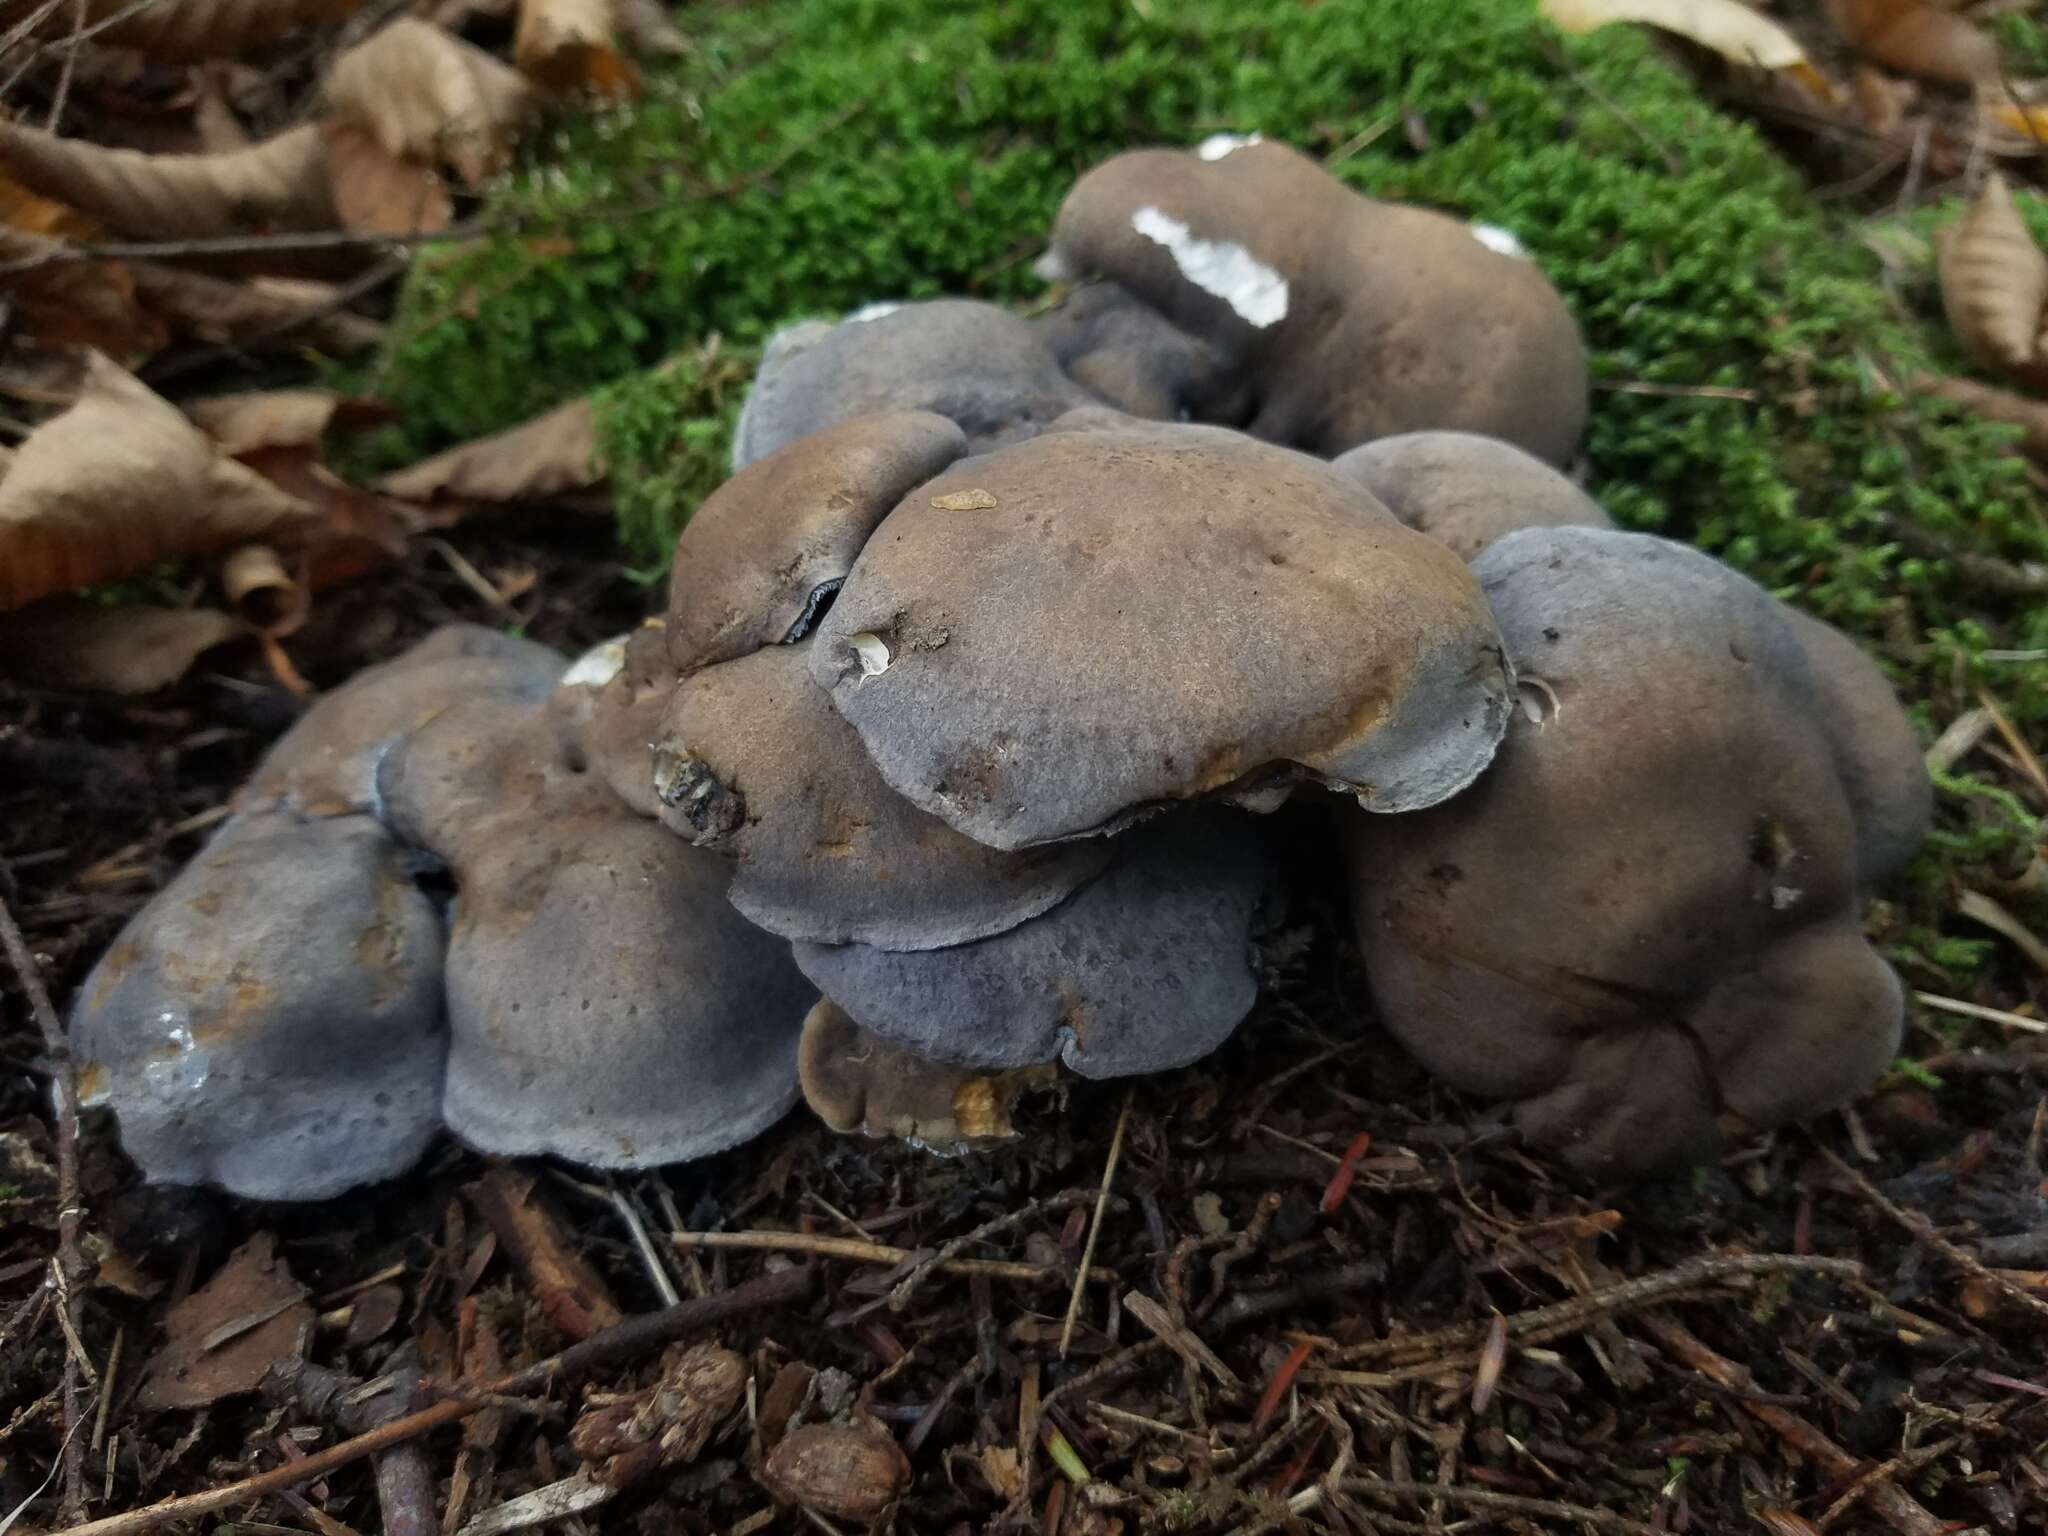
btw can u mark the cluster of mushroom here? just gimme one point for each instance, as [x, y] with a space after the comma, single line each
[949, 766]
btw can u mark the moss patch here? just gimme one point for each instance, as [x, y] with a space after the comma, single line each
[812, 155]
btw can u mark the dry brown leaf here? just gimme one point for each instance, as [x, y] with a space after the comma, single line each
[282, 418]
[425, 96]
[568, 45]
[378, 193]
[263, 591]
[274, 312]
[220, 1340]
[648, 28]
[119, 482]
[70, 642]
[179, 31]
[1994, 285]
[1881, 100]
[1917, 38]
[1728, 27]
[280, 184]
[214, 122]
[538, 460]
[358, 531]
[76, 303]
[2028, 119]
[1995, 404]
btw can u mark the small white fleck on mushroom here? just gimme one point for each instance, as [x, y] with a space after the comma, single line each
[1222, 267]
[1494, 238]
[1783, 896]
[873, 311]
[873, 652]
[1053, 267]
[1217, 145]
[598, 665]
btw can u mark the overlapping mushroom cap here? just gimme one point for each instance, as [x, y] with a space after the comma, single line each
[978, 366]
[1340, 319]
[1466, 490]
[1646, 914]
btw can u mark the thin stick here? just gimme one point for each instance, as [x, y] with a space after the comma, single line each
[1965, 1010]
[71, 1269]
[622, 1341]
[1504, 1503]
[907, 1287]
[1923, 1229]
[1116, 1148]
[862, 1252]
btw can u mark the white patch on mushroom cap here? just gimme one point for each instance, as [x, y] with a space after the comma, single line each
[873, 652]
[1217, 145]
[1494, 238]
[598, 665]
[873, 311]
[1222, 267]
[1053, 267]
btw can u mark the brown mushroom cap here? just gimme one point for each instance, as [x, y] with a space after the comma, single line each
[1347, 319]
[1646, 912]
[856, 1082]
[1046, 641]
[1145, 968]
[1466, 490]
[975, 364]
[606, 713]
[1117, 346]
[771, 544]
[605, 1002]
[757, 764]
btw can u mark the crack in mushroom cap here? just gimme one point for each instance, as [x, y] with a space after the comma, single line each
[605, 1002]
[271, 1021]
[1114, 344]
[1050, 640]
[1146, 968]
[1466, 490]
[1646, 913]
[1347, 319]
[854, 1081]
[975, 364]
[760, 557]
[326, 764]
[765, 770]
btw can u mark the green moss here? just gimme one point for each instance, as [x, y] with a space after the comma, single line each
[811, 155]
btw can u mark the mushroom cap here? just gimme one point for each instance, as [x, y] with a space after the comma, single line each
[605, 1002]
[1147, 967]
[606, 712]
[1646, 912]
[1348, 319]
[765, 770]
[1052, 639]
[855, 1082]
[1115, 345]
[973, 363]
[1877, 754]
[1467, 490]
[271, 1021]
[768, 547]
[326, 764]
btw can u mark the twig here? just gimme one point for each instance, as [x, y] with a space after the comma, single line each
[557, 1501]
[1884, 1472]
[861, 1252]
[633, 1338]
[1116, 1148]
[71, 1266]
[405, 1479]
[1965, 1010]
[62, 96]
[907, 1287]
[1504, 1503]
[1923, 1229]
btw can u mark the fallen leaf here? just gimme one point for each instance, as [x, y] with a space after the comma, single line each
[355, 531]
[1995, 404]
[425, 96]
[67, 642]
[282, 418]
[1994, 285]
[568, 45]
[538, 460]
[1727, 27]
[220, 1340]
[570, 1292]
[1917, 39]
[119, 482]
[648, 28]
[280, 184]
[214, 122]
[373, 1314]
[2028, 119]
[180, 31]
[66, 303]
[272, 312]
[1881, 100]
[262, 592]
[378, 193]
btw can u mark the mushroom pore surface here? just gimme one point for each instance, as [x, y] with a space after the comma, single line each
[1048, 640]
[1646, 913]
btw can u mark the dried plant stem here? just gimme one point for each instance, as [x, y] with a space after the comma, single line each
[1116, 1147]
[71, 1267]
[860, 1251]
[907, 1287]
[1501, 1503]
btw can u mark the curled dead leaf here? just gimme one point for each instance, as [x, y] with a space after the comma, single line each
[220, 1340]
[280, 184]
[426, 97]
[378, 193]
[262, 592]
[119, 482]
[180, 31]
[1994, 285]
[264, 312]
[1727, 27]
[282, 418]
[538, 460]
[68, 642]
[1995, 404]
[78, 303]
[1917, 39]
[569, 45]
[648, 28]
